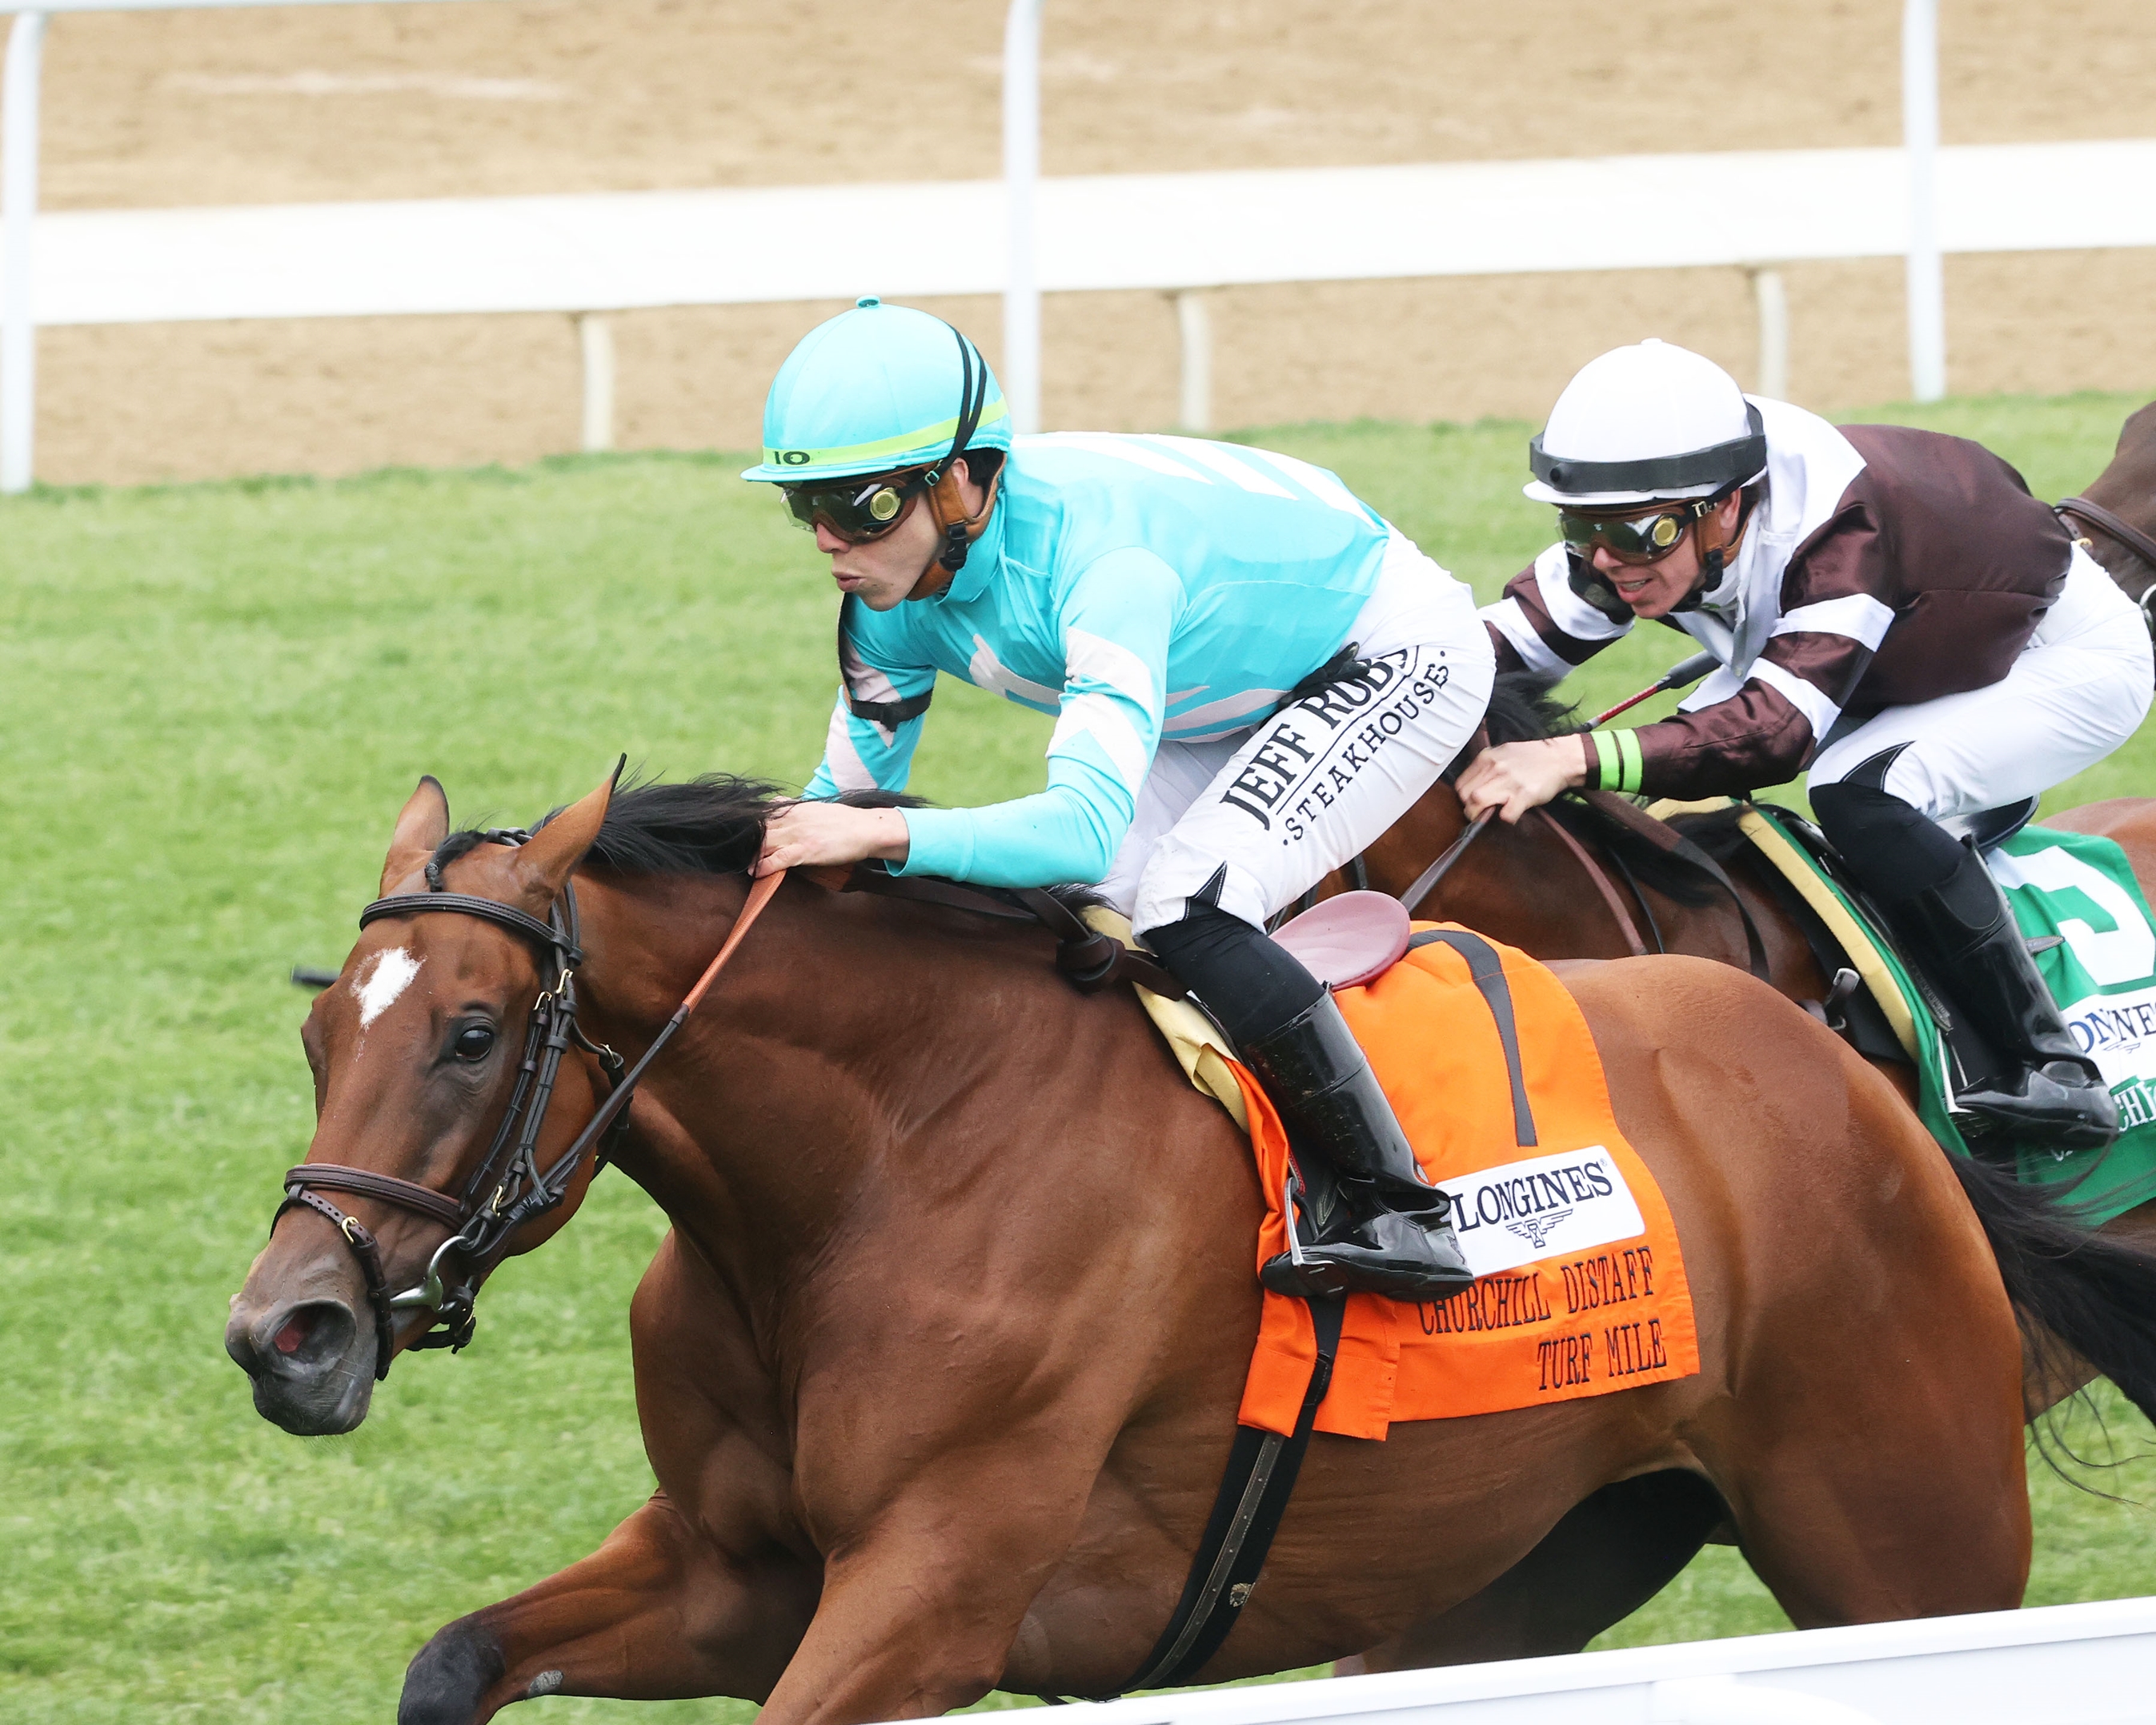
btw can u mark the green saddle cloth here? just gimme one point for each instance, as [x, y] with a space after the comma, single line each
[2081, 891]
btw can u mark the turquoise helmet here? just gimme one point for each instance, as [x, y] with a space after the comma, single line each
[874, 389]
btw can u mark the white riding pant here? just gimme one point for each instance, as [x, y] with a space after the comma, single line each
[2078, 691]
[1274, 809]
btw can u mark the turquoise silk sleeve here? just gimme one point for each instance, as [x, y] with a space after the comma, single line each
[1116, 623]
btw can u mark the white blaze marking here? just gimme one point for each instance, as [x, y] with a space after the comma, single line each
[378, 986]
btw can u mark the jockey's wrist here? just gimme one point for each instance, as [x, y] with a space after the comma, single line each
[894, 839]
[1614, 760]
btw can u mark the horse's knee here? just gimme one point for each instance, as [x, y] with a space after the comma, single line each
[449, 1676]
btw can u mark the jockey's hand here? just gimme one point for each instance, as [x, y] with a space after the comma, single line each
[810, 834]
[1515, 777]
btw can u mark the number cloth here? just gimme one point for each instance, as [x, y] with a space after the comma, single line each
[1581, 1287]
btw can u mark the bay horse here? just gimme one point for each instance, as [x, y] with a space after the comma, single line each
[938, 1366]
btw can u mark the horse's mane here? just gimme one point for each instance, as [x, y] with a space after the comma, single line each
[1522, 709]
[711, 824]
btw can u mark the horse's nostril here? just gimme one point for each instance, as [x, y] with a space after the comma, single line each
[294, 1335]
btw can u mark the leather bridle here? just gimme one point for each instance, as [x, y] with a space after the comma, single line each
[2095, 515]
[508, 1188]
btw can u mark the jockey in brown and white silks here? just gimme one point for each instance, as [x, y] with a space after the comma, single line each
[1890, 608]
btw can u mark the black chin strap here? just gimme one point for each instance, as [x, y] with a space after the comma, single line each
[973, 398]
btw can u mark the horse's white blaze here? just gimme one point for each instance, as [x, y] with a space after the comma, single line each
[378, 985]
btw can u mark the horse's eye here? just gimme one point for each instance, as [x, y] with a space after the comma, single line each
[475, 1042]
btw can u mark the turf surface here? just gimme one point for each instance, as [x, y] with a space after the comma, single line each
[219, 696]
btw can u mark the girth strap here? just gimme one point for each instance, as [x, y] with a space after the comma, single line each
[1260, 1476]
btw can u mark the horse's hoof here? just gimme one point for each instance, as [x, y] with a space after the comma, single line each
[449, 1676]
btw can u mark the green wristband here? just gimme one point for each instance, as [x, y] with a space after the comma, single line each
[1633, 768]
[1608, 764]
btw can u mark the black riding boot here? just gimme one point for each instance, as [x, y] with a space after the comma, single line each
[1390, 1234]
[2053, 1092]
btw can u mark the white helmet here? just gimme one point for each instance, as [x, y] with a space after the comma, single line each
[1646, 424]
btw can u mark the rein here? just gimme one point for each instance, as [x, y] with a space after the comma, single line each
[2095, 515]
[516, 1189]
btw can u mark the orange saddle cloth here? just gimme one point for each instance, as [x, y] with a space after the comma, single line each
[1580, 1287]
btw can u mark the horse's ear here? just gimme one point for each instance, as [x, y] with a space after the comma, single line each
[544, 863]
[420, 830]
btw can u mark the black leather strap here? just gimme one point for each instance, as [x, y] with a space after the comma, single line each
[1091, 960]
[409, 904]
[1260, 1479]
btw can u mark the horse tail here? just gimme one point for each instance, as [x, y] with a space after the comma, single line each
[2070, 1287]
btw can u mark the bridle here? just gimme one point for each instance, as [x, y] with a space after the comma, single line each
[508, 1188]
[2095, 515]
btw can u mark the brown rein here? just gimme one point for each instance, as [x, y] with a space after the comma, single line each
[2095, 515]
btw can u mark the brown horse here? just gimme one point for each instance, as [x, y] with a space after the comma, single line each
[938, 1367]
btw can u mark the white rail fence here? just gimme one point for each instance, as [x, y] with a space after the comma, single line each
[1178, 233]
[2060, 1665]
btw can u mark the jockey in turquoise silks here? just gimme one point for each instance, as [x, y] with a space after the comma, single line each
[1253, 676]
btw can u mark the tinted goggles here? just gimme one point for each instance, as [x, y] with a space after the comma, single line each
[1643, 539]
[856, 510]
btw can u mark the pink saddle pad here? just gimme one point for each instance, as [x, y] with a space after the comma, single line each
[1349, 939]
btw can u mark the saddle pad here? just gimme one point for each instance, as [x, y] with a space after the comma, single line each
[2079, 893]
[1581, 1291]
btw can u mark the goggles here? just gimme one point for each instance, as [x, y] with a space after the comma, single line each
[1643, 539]
[857, 510]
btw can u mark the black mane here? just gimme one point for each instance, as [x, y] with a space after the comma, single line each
[713, 824]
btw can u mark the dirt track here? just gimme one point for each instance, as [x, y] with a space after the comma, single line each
[502, 96]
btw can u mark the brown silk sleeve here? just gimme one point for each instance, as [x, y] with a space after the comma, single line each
[1508, 658]
[1755, 738]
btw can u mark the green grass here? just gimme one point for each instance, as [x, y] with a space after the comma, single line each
[217, 697]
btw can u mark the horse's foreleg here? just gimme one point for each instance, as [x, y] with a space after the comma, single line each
[923, 1604]
[658, 1611]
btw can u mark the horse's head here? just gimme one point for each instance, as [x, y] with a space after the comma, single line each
[428, 1129]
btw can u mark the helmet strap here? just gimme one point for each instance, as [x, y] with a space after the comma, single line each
[1713, 559]
[956, 530]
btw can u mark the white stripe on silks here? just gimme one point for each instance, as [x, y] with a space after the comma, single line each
[1102, 718]
[1315, 480]
[1239, 712]
[1228, 466]
[1804, 697]
[1858, 616]
[1122, 449]
[1568, 610]
[1098, 659]
[986, 672]
[1510, 619]
[848, 771]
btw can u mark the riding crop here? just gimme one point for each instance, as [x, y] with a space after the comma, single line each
[1684, 672]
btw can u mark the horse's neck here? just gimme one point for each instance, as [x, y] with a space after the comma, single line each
[817, 1051]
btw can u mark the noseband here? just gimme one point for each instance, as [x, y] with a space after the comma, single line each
[508, 1188]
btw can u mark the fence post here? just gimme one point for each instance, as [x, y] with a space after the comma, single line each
[1920, 143]
[1193, 323]
[1021, 377]
[1773, 304]
[18, 215]
[595, 346]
